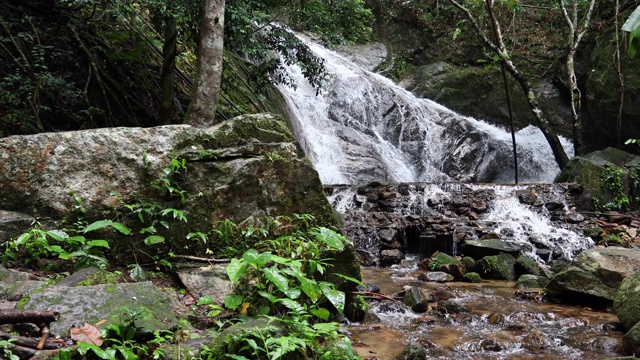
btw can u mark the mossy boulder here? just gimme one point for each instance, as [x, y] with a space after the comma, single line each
[501, 267]
[595, 274]
[631, 340]
[531, 281]
[599, 173]
[479, 92]
[487, 247]
[472, 277]
[603, 95]
[526, 265]
[627, 302]
[110, 302]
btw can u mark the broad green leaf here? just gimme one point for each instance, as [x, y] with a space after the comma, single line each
[293, 293]
[98, 243]
[97, 225]
[236, 268]
[293, 305]
[250, 256]
[268, 296]
[262, 259]
[276, 277]
[335, 296]
[354, 280]
[232, 302]
[633, 22]
[84, 348]
[326, 327]
[205, 300]
[128, 354]
[330, 237]
[137, 273]
[153, 239]
[59, 235]
[22, 238]
[121, 228]
[79, 239]
[634, 43]
[236, 357]
[264, 310]
[321, 313]
[311, 288]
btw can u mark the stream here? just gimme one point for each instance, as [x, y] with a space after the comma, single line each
[496, 326]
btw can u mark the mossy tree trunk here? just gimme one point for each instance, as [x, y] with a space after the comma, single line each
[209, 78]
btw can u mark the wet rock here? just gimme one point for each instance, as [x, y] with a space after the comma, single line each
[532, 281]
[436, 276]
[496, 318]
[596, 272]
[388, 235]
[469, 263]
[414, 351]
[536, 340]
[366, 258]
[528, 197]
[553, 205]
[627, 302]
[372, 288]
[604, 343]
[526, 265]
[481, 248]
[446, 263]
[501, 267]
[417, 299]
[631, 340]
[91, 304]
[453, 306]
[391, 257]
[456, 270]
[472, 277]
[560, 264]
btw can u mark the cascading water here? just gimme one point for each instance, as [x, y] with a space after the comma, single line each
[362, 128]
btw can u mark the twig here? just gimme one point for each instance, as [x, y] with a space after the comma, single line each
[368, 293]
[202, 259]
[45, 336]
[14, 316]
[50, 344]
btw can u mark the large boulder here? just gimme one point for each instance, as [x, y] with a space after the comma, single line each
[595, 274]
[243, 170]
[247, 169]
[627, 302]
[595, 172]
[479, 92]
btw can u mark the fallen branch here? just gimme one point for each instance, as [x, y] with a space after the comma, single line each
[44, 337]
[37, 317]
[202, 259]
[50, 344]
[367, 293]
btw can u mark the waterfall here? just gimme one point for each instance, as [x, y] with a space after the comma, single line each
[363, 128]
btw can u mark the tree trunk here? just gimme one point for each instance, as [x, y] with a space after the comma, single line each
[500, 49]
[207, 84]
[167, 78]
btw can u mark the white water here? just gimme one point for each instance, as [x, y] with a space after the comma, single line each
[362, 127]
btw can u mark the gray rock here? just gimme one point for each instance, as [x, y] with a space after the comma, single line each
[91, 304]
[391, 257]
[436, 276]
[531, 281]
[14, 285]
[480, 248]
[209, 281]
[596, 272]
[627, 302]
[417, 299]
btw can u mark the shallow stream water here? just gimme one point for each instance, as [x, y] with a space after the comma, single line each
[497, 325]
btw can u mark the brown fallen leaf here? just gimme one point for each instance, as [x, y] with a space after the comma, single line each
[87, 333]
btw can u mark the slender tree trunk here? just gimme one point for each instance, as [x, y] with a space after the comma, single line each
[167, 78]
[207, 84]
[500, 49]
[575, 32]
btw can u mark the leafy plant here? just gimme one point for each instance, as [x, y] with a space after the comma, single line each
[6, 352]
[281, 281]
[70, 245]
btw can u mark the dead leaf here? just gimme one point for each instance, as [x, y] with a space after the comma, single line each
[101, 322]
[245, 307]
[87, 333]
